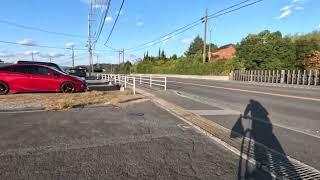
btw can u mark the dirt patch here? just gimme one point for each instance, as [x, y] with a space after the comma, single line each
[58, 101]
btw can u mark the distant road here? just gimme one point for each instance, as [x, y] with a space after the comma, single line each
[294, 113]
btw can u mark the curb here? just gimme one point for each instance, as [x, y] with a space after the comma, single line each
[22, 110]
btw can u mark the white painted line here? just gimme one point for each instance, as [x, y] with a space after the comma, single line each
[226, 109]
[250, 91]
[215, 112]
[19, 112]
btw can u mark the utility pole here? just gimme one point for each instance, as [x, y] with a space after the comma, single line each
[210, 45]
[205, 36]
[89, 40]
[32, 56]
[119, 66]
[98, 65]
[123, 56]
[50, 58]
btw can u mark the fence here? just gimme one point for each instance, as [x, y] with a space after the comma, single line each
[152, 80]
[128, 80]
[296, 77]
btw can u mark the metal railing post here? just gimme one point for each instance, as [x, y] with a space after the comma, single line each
[150, 81]
[316, 78]
[125, 81]
[293, 77]
[304, 77]
[134, 85]
[309, 78]
[282, 76]
[165, 83]
[299, 77]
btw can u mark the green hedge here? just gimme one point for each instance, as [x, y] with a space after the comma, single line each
[186, 67]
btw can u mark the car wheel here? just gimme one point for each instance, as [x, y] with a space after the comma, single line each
[67, 87]
[4, 89]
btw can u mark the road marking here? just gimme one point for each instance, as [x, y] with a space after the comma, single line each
[250, 91]
[214, 112]
[200, 124]
[224, 108]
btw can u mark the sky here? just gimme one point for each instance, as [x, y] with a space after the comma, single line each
[140, 21]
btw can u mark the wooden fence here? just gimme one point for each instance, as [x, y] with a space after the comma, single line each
[296, 77]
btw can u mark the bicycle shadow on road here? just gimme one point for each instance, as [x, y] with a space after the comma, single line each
[255, 126]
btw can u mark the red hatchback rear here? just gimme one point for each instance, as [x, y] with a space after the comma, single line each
[37, 78]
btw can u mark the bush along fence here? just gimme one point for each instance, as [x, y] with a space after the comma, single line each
[295, 77]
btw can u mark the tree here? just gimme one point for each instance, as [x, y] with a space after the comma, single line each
[304, 47]
[313, 61]
[146, 57]
[174, 57]
[195, 47]
[213, 47]
[266, 50]
[163, 55]
[159, 54]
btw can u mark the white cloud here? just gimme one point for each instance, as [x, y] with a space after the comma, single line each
[28, 53]
[285, 14]
[70, 44]
[108, 19]
[139, 23]
[187, 40]
[318, 26]
[95, 3]
[51, 55]
[287, 10]
[299, 8]
[7, 54]
[26, 42]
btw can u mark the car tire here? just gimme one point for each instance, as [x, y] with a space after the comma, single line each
[4, 88]
[67, 87]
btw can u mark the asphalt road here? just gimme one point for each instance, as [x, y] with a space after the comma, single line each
[140, 141]
[290, 115]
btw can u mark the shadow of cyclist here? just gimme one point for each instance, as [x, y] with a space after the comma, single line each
[255, 126]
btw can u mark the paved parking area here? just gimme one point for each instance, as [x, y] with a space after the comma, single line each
[140, 141]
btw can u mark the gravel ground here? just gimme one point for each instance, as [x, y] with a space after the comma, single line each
[138, 141]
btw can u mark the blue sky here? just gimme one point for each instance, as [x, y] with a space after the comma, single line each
[141, 21]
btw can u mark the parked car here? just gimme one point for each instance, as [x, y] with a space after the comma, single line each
[52, 65]
[38, 78]
[78, 71]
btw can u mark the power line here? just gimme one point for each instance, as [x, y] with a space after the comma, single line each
[165, 39]
[189, 26]
[166, 35]
[39, 29]
[227, 12]
[103, 20]
[115, 22]
[45, 46]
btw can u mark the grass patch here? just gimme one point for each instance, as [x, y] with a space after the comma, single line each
[67, 101]
[58, 101]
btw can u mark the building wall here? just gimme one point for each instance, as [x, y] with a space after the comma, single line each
[225, 53]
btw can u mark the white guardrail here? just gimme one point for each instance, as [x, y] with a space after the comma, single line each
[133, 80]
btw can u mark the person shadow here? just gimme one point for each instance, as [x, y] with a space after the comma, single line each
[255, 130]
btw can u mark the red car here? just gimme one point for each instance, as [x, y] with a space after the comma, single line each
[37, 78]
